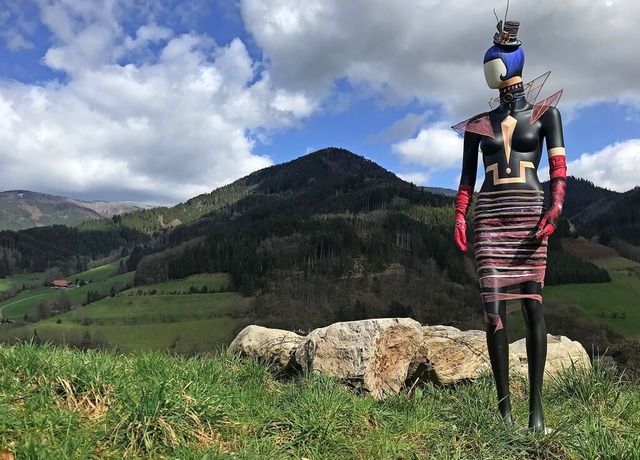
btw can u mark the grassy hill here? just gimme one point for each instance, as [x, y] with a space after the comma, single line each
[63, 403]
[186, 316]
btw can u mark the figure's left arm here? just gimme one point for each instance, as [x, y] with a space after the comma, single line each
[552, 125]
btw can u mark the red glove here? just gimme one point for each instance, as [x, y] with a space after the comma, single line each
[558, 174]
[463, 198]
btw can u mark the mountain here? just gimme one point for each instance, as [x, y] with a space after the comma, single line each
[328, 180]
[330, 236]
[596, 211]
[616, 215]
[21, 209]
[582, 195]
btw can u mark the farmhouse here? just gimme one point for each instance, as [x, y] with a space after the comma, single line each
[60, 284]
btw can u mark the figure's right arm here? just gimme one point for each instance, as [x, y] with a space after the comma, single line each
[465, 190]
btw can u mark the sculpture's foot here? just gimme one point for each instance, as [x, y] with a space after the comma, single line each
[540, 430]
[536, 421]
[507, 419]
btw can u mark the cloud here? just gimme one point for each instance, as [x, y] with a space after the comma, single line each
[437, 147]
[616, 167]
[418, 178]
[147, 114]
[401, 129]
[433, 51]
[142, 99]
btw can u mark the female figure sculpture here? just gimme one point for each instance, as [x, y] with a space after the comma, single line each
[511, 223]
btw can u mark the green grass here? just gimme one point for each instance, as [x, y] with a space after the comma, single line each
[17, 306]
[183, 323]
[185, 337]
[154, 308]
[100, 273]
[213, 281]
[61, 403]
[615, 303]
[136, 320]
[18, 280]
[616, 264]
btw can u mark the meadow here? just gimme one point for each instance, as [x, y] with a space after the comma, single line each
[200, 313]
[18, 281]
[16, 307]
[176, 316]
[65, 403]
[616, 304]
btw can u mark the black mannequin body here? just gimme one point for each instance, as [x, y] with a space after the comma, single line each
[514, 172]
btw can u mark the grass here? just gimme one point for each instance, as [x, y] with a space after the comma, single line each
[615, 303]
[18, 280]
[135, 320]
[63, 403]
[125, 309]
[213, 281]
[16, 307]
[100, 273]
[186, 337]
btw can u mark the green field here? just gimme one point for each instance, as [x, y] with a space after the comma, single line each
[130, 309]
[616, 304]
[202, 335]
[166, 316]
[100, 273]
[16, 307]
[18, 280]
[212, 281]
[5, 285]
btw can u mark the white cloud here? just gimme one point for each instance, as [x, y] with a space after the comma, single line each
[437, 147]
[152, 105]
[153, 115]
[616, 167]
[433, 50]
[418, 178]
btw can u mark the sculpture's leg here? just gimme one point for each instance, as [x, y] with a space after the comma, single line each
[498, 346]
[536, 353]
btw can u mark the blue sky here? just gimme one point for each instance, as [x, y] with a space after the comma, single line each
[158, 101]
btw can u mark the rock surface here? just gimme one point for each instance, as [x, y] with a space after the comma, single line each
[374, 354]
[448, 355]
[275, 347]
[562, 353]
[381, 355]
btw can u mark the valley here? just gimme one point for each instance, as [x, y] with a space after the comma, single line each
[328, 237]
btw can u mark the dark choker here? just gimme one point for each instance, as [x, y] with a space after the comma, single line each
[512, 93]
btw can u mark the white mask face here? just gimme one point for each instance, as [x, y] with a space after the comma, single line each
[493, 70]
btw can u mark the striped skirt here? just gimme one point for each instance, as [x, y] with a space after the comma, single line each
[506, 255]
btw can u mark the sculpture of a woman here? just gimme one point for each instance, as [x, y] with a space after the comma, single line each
[512, 224]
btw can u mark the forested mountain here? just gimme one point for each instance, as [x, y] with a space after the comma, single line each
[329, 236]
[581, 195]
[332, 236]
[617, 216]
[21, 209]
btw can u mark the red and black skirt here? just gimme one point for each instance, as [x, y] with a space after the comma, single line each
[506, 253]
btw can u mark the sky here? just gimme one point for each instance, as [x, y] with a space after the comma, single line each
[157, 101]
